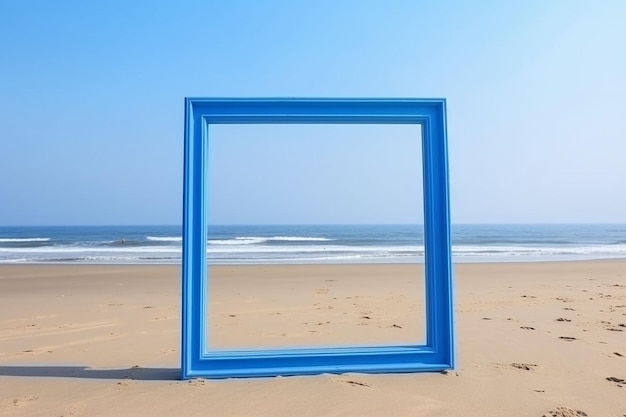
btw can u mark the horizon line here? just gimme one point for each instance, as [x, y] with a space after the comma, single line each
[323, 224]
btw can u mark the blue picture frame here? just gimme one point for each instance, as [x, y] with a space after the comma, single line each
[436, 354]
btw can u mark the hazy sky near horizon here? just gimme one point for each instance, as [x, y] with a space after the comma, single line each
[91, 108]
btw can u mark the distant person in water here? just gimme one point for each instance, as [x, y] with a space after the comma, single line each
[123, 241]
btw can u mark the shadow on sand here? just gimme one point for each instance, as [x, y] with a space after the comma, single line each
[136, 372]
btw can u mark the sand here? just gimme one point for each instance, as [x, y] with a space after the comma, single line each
[533, 339]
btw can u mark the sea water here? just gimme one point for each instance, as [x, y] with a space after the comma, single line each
[306, 244]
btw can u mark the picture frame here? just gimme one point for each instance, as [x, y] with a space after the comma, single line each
[436, 354]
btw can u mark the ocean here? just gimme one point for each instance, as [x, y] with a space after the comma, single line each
[306, 244]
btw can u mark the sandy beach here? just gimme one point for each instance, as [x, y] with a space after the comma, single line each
[533, 339]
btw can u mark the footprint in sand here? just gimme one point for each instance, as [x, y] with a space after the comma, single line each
[197, 382]
[20, 402]
[524, 366]
[354, 383]
[609, 326]
[74, 409]
[618, 381]
[565, 412]
[124, 383]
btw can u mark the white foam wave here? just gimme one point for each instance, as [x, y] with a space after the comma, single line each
[27, 239]
[240, 250]
[313, 249]
[346, 258]
[104, 259]
[300, 239]
[87, 249]
[594, 250]
[253, 240]
[165, 238]
[238, 241]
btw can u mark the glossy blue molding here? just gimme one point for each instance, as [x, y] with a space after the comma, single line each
[438, 352]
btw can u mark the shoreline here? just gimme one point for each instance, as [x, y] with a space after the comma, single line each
[261, 264]
[105, 339]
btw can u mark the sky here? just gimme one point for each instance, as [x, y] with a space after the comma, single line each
[91, 109]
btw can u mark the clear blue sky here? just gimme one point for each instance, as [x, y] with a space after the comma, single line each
[91, 107]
